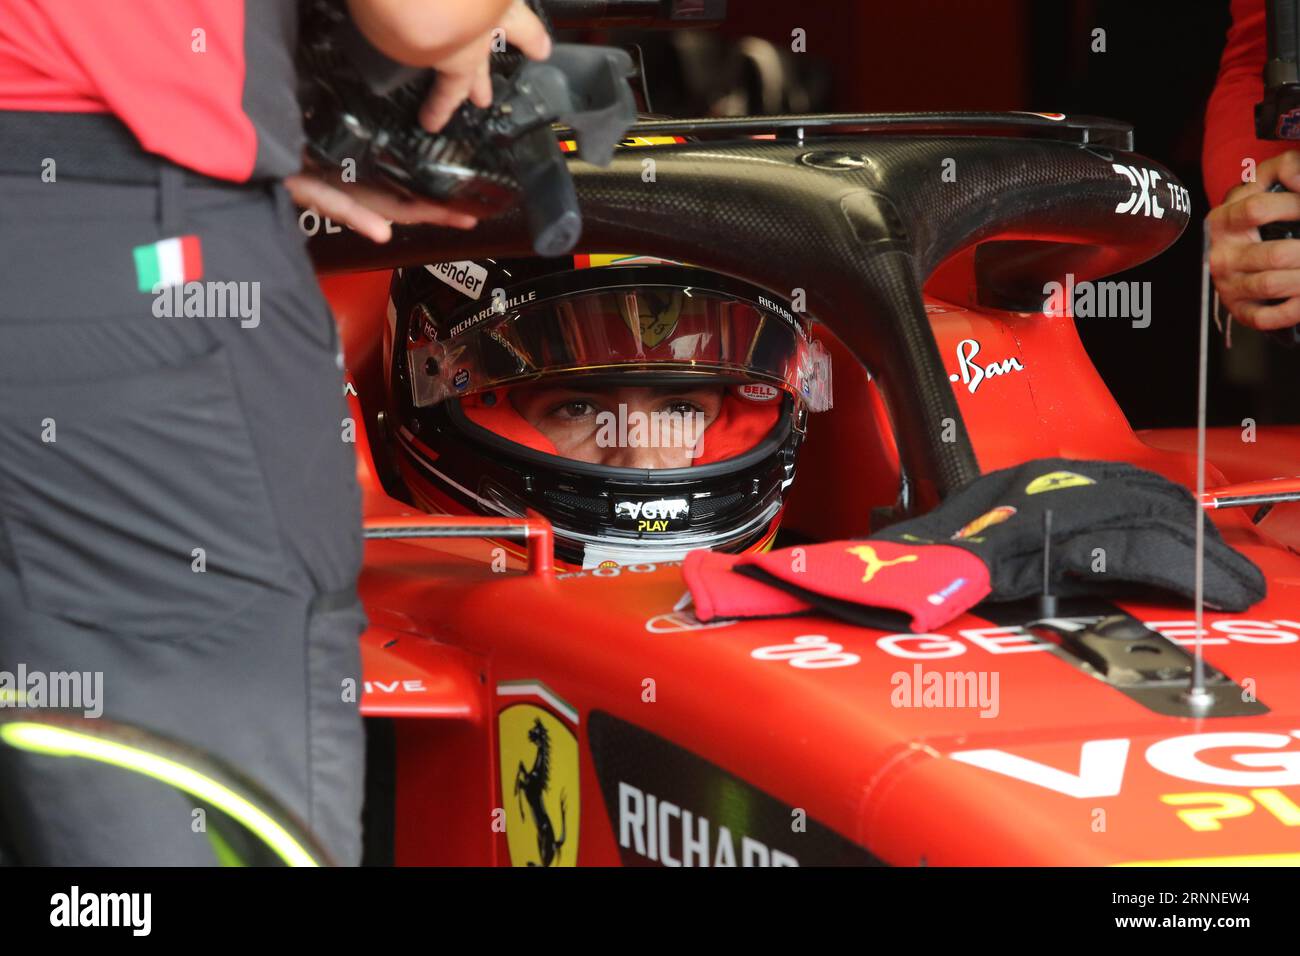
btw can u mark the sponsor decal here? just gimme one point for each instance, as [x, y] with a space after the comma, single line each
[1205, 812]
[941, 596]
[1288, 124]
[499, 306]
[539, 759]
[460, 379]
[812, 652]
[1014, 639]
[987, 520]
[612, 569]
[662, 514]
[390, 687]
[427, 325]
[1055, 481]
[676, 621]
[1145, 198]
[1227, 759]
[468, 278]
[755, 392]
[874, 565]
[670, 807]
[971, 374]
[776, 307]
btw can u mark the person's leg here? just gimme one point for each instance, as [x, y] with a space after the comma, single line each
[181, 515]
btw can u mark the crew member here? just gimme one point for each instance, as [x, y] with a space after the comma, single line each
[178, 506]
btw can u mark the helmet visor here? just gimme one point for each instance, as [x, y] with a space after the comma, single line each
[656, 330]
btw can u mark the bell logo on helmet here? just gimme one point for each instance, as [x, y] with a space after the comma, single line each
[756, 392]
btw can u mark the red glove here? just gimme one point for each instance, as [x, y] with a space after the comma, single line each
[719, 593]
[882, 584]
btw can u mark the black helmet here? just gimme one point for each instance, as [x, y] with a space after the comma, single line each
[474, 346]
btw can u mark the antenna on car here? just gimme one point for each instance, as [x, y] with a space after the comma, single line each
[1196, 696]
[1047, 600]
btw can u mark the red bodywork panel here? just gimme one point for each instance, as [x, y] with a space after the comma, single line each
[679, 725]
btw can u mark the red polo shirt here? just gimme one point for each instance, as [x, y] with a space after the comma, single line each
[209, 84]
[1230, 118]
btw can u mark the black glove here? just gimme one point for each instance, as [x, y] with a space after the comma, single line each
[1114, 527]
[1112, 524]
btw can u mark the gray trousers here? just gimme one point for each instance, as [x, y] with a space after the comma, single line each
[178, 512]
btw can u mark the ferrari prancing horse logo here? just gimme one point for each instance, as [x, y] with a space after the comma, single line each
[874, 564]
[539, 786]
[1055, 480]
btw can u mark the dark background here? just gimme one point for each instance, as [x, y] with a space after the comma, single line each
[1157, 73]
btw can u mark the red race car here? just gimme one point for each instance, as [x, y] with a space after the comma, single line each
[539, 689]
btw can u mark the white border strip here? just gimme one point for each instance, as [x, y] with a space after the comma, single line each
[537, 689]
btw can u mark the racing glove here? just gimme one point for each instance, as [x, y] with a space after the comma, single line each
[1114, 527]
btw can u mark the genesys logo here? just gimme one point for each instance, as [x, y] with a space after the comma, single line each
[1228, 759]
[1014, 639]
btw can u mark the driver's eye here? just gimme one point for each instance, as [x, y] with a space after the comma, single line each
[683, 407]
[577, 408]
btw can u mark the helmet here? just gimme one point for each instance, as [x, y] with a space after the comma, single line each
[507, 382]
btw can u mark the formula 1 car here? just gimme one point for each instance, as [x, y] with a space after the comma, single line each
[525, 714]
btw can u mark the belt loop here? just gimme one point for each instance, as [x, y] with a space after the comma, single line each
[171, 199]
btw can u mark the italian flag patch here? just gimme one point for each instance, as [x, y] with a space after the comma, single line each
[168, 263]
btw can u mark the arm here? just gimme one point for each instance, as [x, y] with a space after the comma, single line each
[1250, 275]
[452, 36]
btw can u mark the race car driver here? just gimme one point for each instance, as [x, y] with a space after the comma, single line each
[645, 407]
[178, 512]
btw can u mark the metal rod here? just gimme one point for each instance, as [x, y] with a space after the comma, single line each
[1196, 695]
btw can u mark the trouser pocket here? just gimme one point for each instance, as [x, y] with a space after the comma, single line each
[136, 503]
